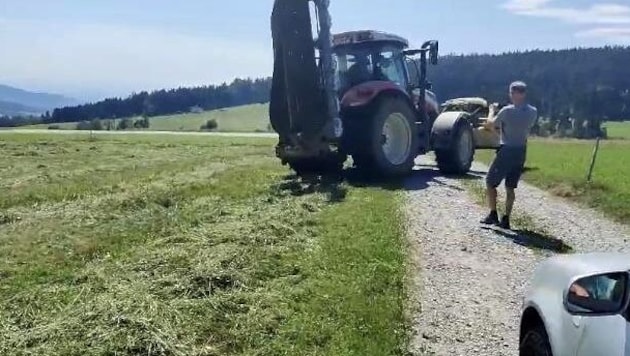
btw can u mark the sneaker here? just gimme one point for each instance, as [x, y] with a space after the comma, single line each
[505, 223]
[491, 219]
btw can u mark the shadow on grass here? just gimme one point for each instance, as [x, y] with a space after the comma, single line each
[530, 169]
[297, 186]
[534, 240]
[335, 185]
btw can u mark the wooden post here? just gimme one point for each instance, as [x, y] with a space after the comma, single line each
[593, 160]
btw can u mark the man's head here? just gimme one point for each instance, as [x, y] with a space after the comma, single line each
[518, 92]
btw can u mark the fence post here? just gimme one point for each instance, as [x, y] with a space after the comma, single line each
[593, 160]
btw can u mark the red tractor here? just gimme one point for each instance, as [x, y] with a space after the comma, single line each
[363, 94]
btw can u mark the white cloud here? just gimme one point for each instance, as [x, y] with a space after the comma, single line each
[612, 34]
[112, 58]
[602, 14]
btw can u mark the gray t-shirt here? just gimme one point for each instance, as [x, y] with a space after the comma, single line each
[515, 123]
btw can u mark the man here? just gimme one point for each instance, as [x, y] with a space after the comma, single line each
[514, 122]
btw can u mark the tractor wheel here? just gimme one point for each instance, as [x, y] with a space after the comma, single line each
[391, 140]
[458, 158]
[331, 164]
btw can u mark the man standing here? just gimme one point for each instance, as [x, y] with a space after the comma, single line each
[514, 122]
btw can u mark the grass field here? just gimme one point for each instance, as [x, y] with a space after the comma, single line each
[190, 246]
[561, 166]
[618, 130]
[249, 118]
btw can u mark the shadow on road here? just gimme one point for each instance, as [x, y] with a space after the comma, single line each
[335, 186]
[534, 240]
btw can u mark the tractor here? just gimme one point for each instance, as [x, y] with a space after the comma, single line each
[363, 94]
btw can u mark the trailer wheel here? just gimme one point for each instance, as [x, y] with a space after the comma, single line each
[391, 139]
[458, 158]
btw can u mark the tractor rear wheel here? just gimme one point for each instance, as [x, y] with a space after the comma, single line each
[458, 158]
[391, 140]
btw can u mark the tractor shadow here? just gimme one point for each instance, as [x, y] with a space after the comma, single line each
[331, 185]
[534, 240]
[335, 186]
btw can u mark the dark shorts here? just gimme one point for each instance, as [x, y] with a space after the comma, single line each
[508, 165]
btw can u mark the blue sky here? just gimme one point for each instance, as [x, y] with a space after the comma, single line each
[90, 49]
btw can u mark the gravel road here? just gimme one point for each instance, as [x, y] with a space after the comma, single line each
[471, 280]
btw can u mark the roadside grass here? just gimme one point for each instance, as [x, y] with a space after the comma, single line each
[190, 246]
[618, 130]
[248, 118]
[525, 230]
[561, 167]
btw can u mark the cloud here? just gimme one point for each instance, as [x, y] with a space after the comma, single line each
[596, 14]
[612, 34]
[113, 58]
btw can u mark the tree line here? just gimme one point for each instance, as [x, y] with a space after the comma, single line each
[591, 83]
[167, 102]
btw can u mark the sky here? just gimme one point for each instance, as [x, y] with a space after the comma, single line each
[97, 48]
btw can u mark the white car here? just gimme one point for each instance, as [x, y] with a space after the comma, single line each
[577, 305]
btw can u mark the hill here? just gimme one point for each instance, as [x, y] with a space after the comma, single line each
[14, 101]
[9, 108]
[247, 118]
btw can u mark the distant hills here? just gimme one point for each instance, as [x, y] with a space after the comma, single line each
[14, 101]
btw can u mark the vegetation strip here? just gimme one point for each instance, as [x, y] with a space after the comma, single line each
[526, 232]
[560, 167]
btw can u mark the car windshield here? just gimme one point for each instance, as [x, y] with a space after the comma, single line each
[358, 65]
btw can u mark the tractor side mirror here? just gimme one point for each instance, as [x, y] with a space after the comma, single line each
[433, 47]
[598, 295]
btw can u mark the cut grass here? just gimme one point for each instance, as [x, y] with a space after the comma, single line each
[248, 118]
[561, 167]
[190, 246]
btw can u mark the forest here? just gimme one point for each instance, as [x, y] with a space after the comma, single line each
[589, 83]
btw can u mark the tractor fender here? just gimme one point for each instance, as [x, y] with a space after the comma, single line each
[443, 130]
[365, 93]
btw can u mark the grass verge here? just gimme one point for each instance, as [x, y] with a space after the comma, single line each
[190, 246]
[561, 167]
[525, 230]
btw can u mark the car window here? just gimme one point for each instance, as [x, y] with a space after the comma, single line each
[608, 288]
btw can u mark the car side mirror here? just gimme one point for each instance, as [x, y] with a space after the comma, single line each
[598, 295]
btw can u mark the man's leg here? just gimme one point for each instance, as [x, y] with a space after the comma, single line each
[511, 184]
[509, 200]
[496, 174]
[491, 193]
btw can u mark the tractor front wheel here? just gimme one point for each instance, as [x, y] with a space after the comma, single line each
[391, 139]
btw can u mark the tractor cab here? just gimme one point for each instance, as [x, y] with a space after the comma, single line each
[365, 56]
[373, 56]
[360, 94]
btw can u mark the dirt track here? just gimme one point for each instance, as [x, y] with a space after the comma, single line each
[471, 280]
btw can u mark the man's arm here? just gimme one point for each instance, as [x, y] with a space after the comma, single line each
[494, 120]
[534, 119]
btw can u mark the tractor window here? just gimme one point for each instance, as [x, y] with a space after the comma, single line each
[354, 68]
[389, 66]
